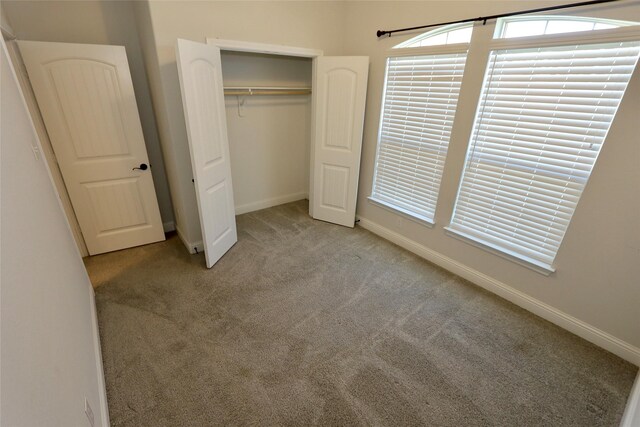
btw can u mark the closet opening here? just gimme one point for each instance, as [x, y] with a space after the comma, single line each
[268, 105]
[254, 154]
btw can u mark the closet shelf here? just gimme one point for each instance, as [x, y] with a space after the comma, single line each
[266, 90]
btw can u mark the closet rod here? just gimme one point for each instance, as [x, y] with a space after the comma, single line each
[267, 90]
[381, 33]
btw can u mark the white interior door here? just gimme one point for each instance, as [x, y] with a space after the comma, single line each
[339, 100]
[200, 71]
[88, 105]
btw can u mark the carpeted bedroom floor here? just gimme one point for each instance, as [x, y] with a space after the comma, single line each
[304, 322]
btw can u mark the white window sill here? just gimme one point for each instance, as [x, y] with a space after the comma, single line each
[402, 212]
[537, 266]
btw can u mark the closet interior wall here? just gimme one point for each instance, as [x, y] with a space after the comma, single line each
[269, 135]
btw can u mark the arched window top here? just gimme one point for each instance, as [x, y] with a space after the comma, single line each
[512, 27]
[451, 34]
[525, 26]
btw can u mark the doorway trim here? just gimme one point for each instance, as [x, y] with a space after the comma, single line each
[282, 50]
[269, 49]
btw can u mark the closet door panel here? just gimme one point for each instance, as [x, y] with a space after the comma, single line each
[340, 95]
[200, 73]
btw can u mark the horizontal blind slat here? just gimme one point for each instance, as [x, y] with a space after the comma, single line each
[517, 200]
[543, 116]
[542, 183]
[514, 242]
[420, 100]
[515, 229]
[504, 245]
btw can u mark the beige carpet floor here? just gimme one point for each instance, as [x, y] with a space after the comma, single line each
[304, 322]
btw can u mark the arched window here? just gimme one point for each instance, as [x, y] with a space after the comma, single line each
[526, 26]
[543, 115]
[420, 100]
[451, 34]
[548, 98]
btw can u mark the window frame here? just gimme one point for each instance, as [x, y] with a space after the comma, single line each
[619, 34]
[483, 42]
[433, 33]
[397, 52]
[501, 24]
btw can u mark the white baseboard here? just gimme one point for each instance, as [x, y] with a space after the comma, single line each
[169, 226]
[564, 320]
[631, 417]
[192, 247]
[267, 203]
[104, 407]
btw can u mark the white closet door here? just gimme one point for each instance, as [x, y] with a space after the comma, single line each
[339, 100]
[89, 108]
[200, 72]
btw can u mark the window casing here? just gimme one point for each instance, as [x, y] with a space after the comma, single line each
[527, 26]
[419, 103]
[451, 34]
[543, 116]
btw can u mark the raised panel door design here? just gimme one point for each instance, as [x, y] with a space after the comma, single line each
[341, 88]
[200, 74]
[207, 116]
[86, 97]
[88, 94]
[335, 187]
[116, 204]
[217, 203]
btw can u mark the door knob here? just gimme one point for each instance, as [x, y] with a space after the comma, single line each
[142, 167]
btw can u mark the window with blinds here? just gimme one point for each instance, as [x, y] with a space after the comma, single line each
[420, 100]
[543, 116]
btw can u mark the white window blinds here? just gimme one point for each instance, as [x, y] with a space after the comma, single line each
[421, 94]
[543, 116]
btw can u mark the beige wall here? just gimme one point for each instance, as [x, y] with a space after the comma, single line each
[269, 136]
[318, 25]
[97, 22]
[598, 265]
[4, 22]
[50, 360]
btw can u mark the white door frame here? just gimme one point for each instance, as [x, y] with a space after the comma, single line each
[282, 50]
